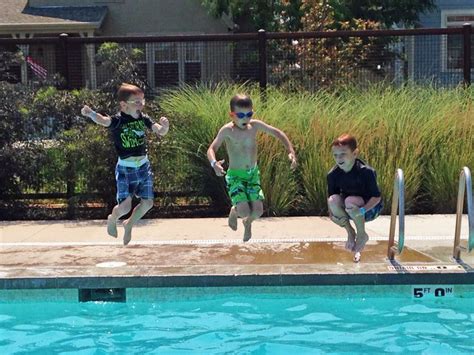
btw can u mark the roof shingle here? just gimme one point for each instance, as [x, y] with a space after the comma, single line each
[16, 12]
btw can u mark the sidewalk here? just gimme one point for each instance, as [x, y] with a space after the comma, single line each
[53, 250]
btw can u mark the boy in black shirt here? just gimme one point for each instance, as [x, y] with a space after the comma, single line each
[353, 193]
[132, 172]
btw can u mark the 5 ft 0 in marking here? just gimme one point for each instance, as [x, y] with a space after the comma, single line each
[432, 291]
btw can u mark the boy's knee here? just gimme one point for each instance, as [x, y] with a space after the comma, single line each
[125, 206]
[257, 210]
[334, 200]
[352, 202]
[243, 210]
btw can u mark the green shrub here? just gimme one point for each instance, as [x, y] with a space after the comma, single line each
[425, 131]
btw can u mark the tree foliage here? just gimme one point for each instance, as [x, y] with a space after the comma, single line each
[121, 63]
[287, 15]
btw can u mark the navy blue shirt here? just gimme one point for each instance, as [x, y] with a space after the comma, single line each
[128, 134]
[361, 181]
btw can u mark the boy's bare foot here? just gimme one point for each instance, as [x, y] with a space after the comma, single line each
[111, 226]
[248, 230]
[127, 237]
[360, 242]
[351, 238]
[232, 220]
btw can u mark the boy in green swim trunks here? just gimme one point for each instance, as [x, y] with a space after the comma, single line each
[243, 175]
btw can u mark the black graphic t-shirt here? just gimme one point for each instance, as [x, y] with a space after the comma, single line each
[361, 181]
[128, 134]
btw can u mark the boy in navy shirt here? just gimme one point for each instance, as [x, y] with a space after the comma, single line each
[133, 172]
[353, 193]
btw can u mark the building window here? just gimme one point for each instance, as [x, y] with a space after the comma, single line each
[452, 45]
[177, 63]
[166, 64]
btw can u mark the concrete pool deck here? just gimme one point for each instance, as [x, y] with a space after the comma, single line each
[205, 252]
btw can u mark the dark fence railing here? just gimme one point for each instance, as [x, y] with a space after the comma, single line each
[311, 60]
[302, 60]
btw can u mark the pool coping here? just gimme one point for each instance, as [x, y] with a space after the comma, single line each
[205, 253]
[217, 280]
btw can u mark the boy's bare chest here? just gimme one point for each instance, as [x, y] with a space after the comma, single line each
[242, 139]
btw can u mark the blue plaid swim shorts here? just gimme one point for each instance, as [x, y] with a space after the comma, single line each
[136, 181]
[373, 213]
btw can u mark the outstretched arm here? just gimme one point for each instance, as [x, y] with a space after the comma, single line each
[213, 148]
[277, 133]
[96, 117]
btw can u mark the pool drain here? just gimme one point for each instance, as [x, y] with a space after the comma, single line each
[111, 264]
[102, 295]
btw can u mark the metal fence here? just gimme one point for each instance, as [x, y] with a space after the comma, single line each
[310, 60]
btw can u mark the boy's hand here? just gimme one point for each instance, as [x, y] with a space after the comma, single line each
[218, 169]
[87, 111]
[293, 160]
[340, 221]
[165, 125]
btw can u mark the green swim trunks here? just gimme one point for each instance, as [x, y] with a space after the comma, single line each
[244, 185]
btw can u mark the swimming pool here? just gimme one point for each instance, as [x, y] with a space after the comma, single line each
[256, 320]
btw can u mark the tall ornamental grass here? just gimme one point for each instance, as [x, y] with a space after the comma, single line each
[427, 132]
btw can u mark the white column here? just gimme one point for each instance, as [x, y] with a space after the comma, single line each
[181, 62]
[91, 81]
[150, 63]
[25, 50]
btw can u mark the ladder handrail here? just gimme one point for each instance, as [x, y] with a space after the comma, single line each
[398, 203]
[465, 185]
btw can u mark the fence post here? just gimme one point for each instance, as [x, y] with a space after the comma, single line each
[262, 58]
[467, 53]
[70, 166]
[63, 37]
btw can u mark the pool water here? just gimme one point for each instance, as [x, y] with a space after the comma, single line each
[249, 320]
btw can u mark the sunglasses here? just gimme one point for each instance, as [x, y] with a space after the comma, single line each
[243, 115]
[136, 102]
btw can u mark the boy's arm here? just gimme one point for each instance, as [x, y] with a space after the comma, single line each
[96, 117]
[373, 201]
[213, 148]
[371, 180]
[161, 128]
[277, 133]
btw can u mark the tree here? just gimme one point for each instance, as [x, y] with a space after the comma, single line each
[120, 62]
[386, 12]
[252, 15]
[287, 15]
[323, 62]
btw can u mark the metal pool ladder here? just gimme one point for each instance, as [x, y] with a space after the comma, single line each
[465, 185]
[398, 203]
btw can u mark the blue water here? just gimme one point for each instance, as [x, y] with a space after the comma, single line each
[232, 321]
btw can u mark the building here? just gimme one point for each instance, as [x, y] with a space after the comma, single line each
[163, 63]
[440, 58]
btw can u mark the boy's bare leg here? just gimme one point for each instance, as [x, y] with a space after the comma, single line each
[117, 212]
[256, 212]
[362, 236]
[112, 225]
[247, 229]
[351, 236]
[138, 212]
[243, 211]
[341, 218]
[232, 220]
[353, 204]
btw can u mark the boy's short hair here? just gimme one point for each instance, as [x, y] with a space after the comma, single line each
[345, 140]
[126, 90]
[240, 100]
